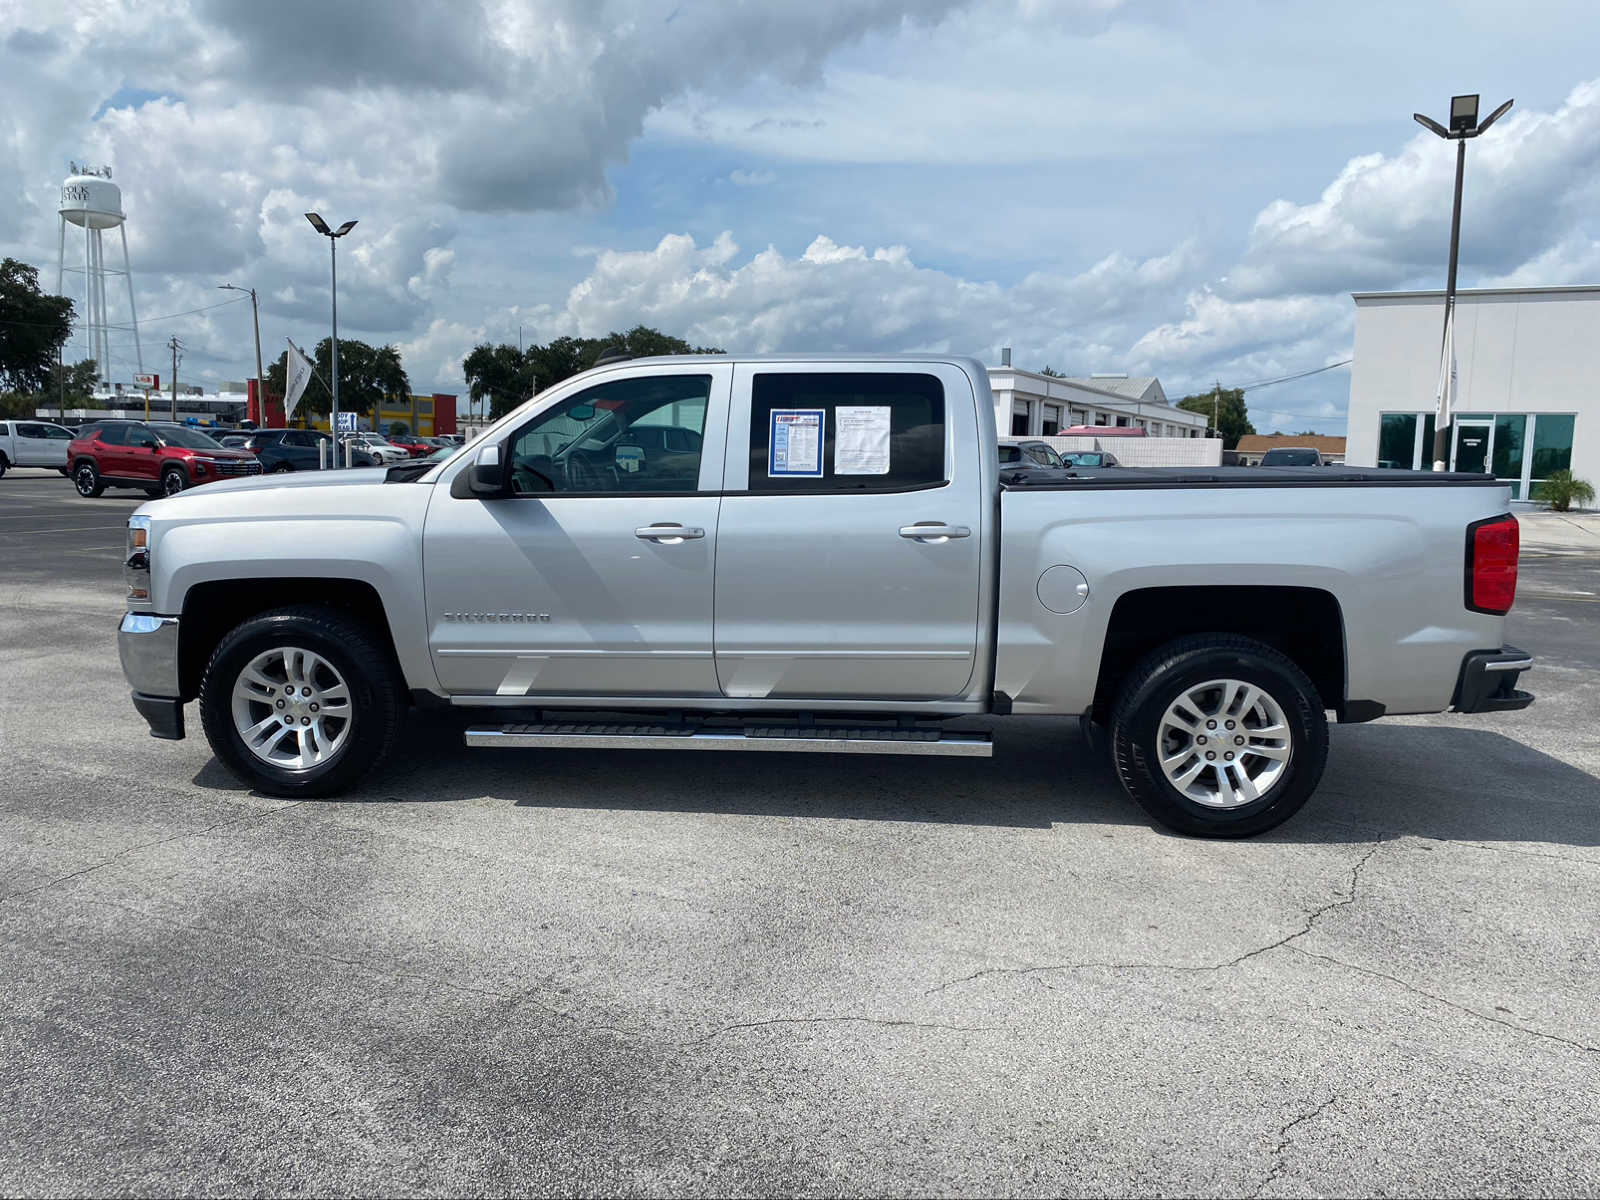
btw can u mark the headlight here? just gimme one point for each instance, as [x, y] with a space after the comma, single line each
[136, 567]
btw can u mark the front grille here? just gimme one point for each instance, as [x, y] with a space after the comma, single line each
[238, 468]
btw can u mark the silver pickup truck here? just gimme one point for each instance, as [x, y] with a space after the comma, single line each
[793, 554]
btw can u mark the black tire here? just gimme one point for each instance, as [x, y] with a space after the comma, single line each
[282, 468]
[173, 481]
[3, 465]
[86, 478]
[357, 652]
[1186, 664]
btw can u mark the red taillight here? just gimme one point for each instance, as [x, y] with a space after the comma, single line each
[1492, 564]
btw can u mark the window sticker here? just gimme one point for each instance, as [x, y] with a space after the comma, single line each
[861, 442]
[794, 442]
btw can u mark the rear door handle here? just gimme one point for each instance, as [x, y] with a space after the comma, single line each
[668, 533]
[933, 531]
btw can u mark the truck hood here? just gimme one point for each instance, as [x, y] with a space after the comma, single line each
[353, 477]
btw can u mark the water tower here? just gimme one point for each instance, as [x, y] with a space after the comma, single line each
[92, 202]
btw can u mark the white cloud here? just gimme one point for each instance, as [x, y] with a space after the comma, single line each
[743, 178]
[1383, 220]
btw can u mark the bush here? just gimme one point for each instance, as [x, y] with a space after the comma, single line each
[1561, 490]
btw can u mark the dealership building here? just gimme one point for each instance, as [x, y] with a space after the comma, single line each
[1527, 396]
[1028, 404]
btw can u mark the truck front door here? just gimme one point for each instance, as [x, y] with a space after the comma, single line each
[850, 549]
[593, 578]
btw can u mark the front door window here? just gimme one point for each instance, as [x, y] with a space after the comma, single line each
[640, 435]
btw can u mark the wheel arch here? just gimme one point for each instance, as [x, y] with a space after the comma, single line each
[214, 607]
[1305, 624]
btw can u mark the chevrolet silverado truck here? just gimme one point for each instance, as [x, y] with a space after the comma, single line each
[793, 554]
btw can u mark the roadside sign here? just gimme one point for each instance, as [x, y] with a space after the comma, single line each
[147, 381]
[347, 422]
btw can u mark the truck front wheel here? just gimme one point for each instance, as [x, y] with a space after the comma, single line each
[1218, 735]
[301, 702]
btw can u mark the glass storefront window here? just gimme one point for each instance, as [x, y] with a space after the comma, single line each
[1508, 433]
[1397, 440]
[1552, 444]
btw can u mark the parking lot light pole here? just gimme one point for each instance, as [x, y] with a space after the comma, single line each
[255, 313]
[333, 236]
[1464, 124]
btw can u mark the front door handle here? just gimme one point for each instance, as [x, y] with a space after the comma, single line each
[668, 533]
[934, 531]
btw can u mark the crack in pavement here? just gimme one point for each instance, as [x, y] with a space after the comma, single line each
[1311, 920]
[1280, 1152]
[716, 1033]
[150, 845]
[1461, 1008]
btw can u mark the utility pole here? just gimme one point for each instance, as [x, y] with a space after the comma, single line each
[1216, 405]
[173, 344]
[255, 313]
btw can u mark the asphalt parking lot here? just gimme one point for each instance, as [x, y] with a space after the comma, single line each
[655, 973]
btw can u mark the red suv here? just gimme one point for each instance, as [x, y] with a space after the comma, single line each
[159, 457]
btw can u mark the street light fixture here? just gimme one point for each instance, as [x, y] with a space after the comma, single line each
[255, 312]
[333, 235]
[1464, 124]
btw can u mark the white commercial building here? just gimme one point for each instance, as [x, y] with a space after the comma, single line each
[1527, 397]
[1031, 405]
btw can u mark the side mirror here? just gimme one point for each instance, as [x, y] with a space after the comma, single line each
[486, 477]
[149, 443]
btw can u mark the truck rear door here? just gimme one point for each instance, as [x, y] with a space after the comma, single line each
[849, 549]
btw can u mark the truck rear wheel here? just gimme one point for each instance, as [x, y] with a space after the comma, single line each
[1218, 735]
[301, 702]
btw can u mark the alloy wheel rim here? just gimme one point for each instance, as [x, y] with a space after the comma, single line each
[85, 479]
[1224, 743]
[172, 483]
[292, 708]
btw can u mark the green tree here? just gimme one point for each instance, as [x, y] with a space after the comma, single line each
[76, 382]
[33, 328]
[367, 374]
[1232, 419]
[503, 376]
[1047, 369]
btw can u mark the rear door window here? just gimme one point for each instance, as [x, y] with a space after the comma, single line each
[114, 435]
[846, 431]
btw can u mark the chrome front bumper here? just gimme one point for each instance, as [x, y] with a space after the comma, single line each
[148, 645]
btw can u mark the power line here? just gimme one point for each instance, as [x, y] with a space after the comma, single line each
[147, 321]
[1264, 383]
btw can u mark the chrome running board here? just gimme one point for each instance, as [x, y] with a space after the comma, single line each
[815, 739]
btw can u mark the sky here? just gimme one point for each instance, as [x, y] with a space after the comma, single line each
[1189, 190]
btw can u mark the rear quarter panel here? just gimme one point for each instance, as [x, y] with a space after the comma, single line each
[1393, 558]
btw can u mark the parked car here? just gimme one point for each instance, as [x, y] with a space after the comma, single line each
[1027, 456]
[1292, 456]
[234, 441]
[375, 448]
[283, 450]
[33, 444]
[1091, 459]
[807, 591]
[415, 446]
[160, 457]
